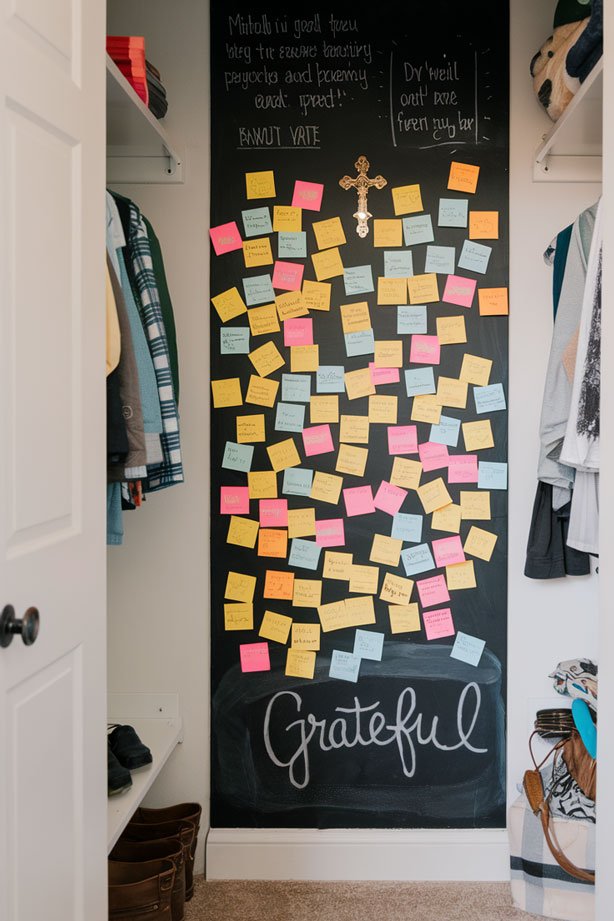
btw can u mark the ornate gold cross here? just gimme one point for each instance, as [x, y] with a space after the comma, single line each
[362, 184]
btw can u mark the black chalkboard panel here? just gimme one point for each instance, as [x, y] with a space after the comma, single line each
[412, 87]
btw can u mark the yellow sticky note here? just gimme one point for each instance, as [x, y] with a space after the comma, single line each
[273, 542]
[391, 291]
[383, 409]
[333, 616]
[250, 429]
[279, 585]
[304, 357]
[291, 304]
[266, 359]
[451, 392]
[260, 184]
[300, 663]
[404, 618]
[329, 233]
[396, 589]
[306, 636]
[423, 289]
[476, 370]
[275, 627]
[389, 353]
[301, 522]
[352, 460]
[406, 473]
[478, 435]
[262, 484]
[240, 587]
[227, 392]
[360, 611]
[263, 320]
[483, 225]
[287, 218]
[242, 532]
[327, 264]
[447, 519]
[387, 232]
[307, 593]
[426, 408]
[355, 317]
[229, 304]
[451, 330]
[358, 383]
[463, 177]
[475, 505]
[261, 391]
[480, 543]
[493, 302]
[364, 579]
[461, 575]
[354, 430]
[316, 295]
[434, 495]
[326, 487]
[385, 550]
[337, 565]
[283, 455]
[257, 252]
[324, 408]
[238, 617]
[407, 199]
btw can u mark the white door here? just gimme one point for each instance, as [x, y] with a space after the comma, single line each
[52, 476]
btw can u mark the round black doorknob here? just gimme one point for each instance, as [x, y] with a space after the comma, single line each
[10, 626]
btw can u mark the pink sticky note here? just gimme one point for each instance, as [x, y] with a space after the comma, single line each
[432, 591]
[448, 551]
[425, 350]
[383, 375]
[433, 456]
[330, 533]
[463, 468]
[255, 657]
[389, 498]
[318, 440]
[298, 331]
[438, 623]
[459, 290]
[273, 513]
[358, 500]
[288, 276]
[307, 195]
[402, 439]
[234, 500]
[226, 238]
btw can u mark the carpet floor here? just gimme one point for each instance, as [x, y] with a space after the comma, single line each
[349, 901]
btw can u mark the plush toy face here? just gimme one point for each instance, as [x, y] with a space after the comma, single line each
[548, 68]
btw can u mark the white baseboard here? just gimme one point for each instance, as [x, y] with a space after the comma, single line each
[313, 854]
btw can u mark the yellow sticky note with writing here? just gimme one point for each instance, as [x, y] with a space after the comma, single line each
[257, 252]
[273, 542]
[364, 579]
[329, 233]
[493, 302]
[238, 617]
[447, 519]
[354, 430]
[229, 304]
[389, 353]
[266, 359]
[260, 184]
[240, 587]
[307, 593]
[263, 320]
[261, 391]
[460, 576]
[476, 370]
[275, 627]
[352, 460]
[406, 473]
[283, 455]
[327, 264]
[316, 295]
[463, 177]
[355, 317]
[337, 565]
[475, 505]
[383, 409]
[242, 532]
[324, 408]
[304, 357]
[451, 330]
[480, 543]
[396, 589]
[305, 636]
[478, 435]
[262, 484]
[426, 408]
[333, 616]
[404, 618]
[483, 225]
[387, 232]
[360, 611]
[301, 522]
[227, 392]
[407, 199]
[326, 487]
[250, 429]
[300, 663]
[358, 383]
[451, 392]
[287, 218]
[385, 550]
[423, 289]
[434, 495]
[291, 304]
[391, 291]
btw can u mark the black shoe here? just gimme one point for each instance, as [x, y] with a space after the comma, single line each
[128, 748]
[118, 778]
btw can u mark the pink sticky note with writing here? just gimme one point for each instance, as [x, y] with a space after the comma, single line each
[318, 440]
[432, 591]
[459, 290]
[307, 195]
[448, 551]
[288, 276]
[383, 375]
[330, 533]
[255, 657]
[273, 513]
[234, 500]
[226, 238]
[438, 623]
[433, 456]
[358, 500]
[402, 439]
[463, 468]
[389, 498]
[298, 331]
[425, 350]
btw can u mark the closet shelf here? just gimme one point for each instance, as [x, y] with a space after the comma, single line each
[156, 720]
[138, 147]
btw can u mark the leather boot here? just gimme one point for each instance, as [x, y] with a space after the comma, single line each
[187, 812]
[184, 830]
[169, 848]
[140, 891]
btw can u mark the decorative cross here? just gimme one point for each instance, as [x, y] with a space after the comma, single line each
[362, 183]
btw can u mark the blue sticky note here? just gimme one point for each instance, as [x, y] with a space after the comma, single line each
[297, 482]
[292, 245]
[238, 457]
[418, 230]
[290, 417]
[304, 553]
[358, 279]
[447, 432]
[440, 259]
[329, 379]
[467, 648]
[258, 290]
[344, 665]
[295, 388]
[257, 222]
[234, 340]
[417, 559]
[360, 343]
[411, 320]
[398, 263]
[453, 212]
[489, 399]
[407, 527]
[474, 256]
[369, 645]
[420, 380]
[491, 475]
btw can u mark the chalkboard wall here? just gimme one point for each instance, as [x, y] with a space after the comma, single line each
[413, 87]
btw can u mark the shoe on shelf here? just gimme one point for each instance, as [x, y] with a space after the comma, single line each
[162, 848]
[183, 812]
[118, 777]
[140, 890]
[128, 748]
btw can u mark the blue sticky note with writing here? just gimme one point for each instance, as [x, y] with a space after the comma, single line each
[398, 263]
[440, 259]
[474, 257]
[360, 343]
[368, 645]
[492, 475]
[329, 379]
[418, 230]
[419, 380]
[344, 665]
[304, 554]
[411, 320]
[290, 417]
[407, 527]
[358, 279]
[417, 559]
[296, 388]
[489, 399]
[257, 222]
[467, 648]
[292, 244]
[258, 290]
[297, 482]
[234, 340]
[238, 457]
[453, 212]
[447, 432]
